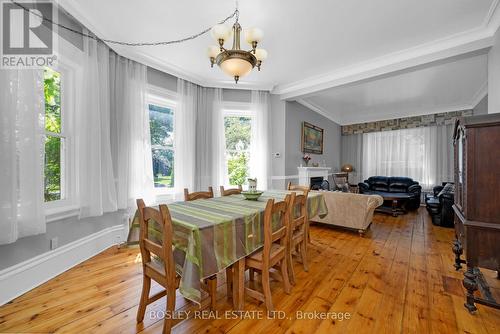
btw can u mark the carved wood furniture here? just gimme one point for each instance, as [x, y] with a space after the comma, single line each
[198, 194]
[477, 203]
[296, 187]
[228, 192]
[162, 271]
[273, 254]
[297, 232]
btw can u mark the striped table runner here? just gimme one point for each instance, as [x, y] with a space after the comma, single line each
[211, 234]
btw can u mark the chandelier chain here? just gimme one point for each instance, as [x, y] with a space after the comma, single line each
[110, 41]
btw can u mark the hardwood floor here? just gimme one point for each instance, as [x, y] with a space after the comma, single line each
[399, 278]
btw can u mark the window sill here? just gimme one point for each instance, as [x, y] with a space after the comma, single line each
[54, 214]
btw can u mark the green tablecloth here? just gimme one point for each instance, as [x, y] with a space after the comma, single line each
[211, 234]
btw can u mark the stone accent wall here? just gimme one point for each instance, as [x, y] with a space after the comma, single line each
[404, 123]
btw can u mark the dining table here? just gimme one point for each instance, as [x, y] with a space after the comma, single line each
[213, 234]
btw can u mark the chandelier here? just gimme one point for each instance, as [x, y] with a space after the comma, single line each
[236, 62]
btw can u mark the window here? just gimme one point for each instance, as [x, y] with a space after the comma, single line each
[408, 152]
[237, 128]
[55, 138]
[161, 120]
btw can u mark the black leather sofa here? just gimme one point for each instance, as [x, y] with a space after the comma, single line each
[439, 204]
[404, 187]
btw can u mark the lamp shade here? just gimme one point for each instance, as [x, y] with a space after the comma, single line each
[236, 67]
[347, 168]
[221, 31]
[213, 51]
[253, 35]
[260, 54]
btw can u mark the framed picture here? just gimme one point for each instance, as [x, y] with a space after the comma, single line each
[312, 139]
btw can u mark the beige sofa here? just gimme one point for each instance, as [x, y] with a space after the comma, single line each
[354, 211]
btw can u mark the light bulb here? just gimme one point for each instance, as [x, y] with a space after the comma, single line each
[220, 31]
[260, 54]
[257, 35]
[213, 51]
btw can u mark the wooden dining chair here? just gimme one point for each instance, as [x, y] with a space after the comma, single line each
[273, 254]
[297, 231]
[198, 194]
[297, 187]
[163, 270]
[304, 189]
[228, 192]
[158, 263]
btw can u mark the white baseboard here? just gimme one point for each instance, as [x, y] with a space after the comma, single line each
[22, 277]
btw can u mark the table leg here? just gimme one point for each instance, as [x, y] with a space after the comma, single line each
[239, 284]
[394, 207]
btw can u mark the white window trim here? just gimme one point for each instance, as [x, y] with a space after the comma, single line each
[163, 98]
[68, 65]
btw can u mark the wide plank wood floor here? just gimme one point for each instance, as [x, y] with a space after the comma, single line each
[399, 278]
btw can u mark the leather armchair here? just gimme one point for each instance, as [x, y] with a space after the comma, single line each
[440, 205]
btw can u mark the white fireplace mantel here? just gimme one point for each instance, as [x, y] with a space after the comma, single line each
[305, 174]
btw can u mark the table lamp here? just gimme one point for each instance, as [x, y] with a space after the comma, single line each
[347, 168]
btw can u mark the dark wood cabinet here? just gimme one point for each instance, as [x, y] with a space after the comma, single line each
[477, 202]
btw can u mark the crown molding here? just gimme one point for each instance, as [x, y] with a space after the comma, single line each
[480, 94]
[492, 19]
[471, 41]
[366, 117]
[318, 109]
[455, 45]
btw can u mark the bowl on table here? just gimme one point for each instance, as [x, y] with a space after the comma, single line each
[252, 195]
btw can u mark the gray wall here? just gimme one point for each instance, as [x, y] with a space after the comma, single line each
[162, 79]
[295, 115]
[66, 230]
[278, 140]
[482, 107]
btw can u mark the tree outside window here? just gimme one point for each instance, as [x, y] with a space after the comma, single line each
[161, 120]
[54, 137]
[238, 135]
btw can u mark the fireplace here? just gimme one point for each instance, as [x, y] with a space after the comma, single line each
[316, 182]
[306, 174]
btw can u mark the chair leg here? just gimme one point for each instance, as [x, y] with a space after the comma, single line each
[146, 286]
[167, 322]
[251, 274]
[266, 287]
[212, 290]
[284, 273]
[303, 252]
[229, 282]
[289, 261]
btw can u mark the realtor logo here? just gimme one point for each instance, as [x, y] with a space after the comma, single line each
[27, 34]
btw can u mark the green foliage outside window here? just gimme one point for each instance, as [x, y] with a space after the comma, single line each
[238, 134]
[161, 121]
[53, 144]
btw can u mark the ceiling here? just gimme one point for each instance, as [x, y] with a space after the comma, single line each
[304, 38]
[349, 60]
[456, 84]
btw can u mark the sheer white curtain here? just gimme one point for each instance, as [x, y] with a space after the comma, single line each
[22, 120]
[219, 171]
[130, 133]
[185, 137]
[259, 144]
[424, 154]
[204, 146]
[96, 184]
[352, 153]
